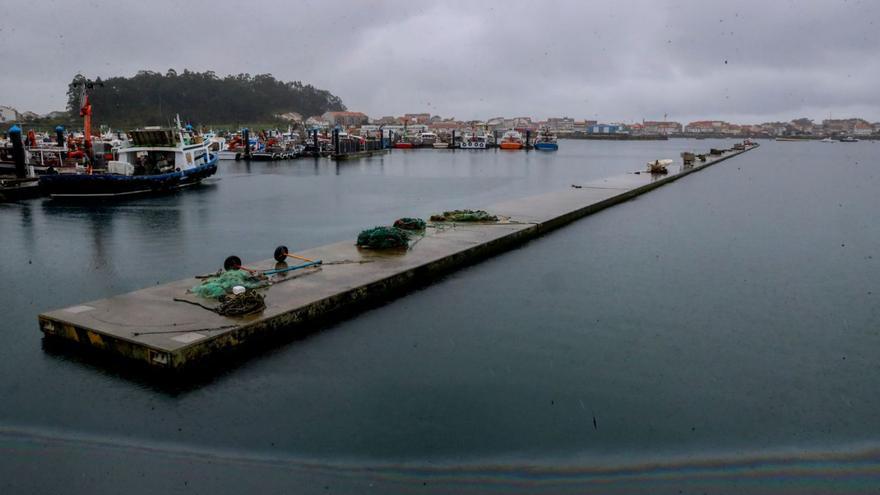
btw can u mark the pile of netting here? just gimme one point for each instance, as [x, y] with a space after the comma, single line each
[250, 301]
[407, 223]
[222, 284]
[383, 238]
[464, 216]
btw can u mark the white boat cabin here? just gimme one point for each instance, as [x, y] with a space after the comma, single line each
[155, 151]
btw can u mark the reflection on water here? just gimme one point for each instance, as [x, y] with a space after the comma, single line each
[851, 470]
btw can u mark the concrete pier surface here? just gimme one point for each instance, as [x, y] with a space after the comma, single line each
[157, 327]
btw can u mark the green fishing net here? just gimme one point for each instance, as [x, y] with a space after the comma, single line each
[464, 216]
[383, 238]
[214, 287]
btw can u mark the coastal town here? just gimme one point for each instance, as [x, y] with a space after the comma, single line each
[568, 127]
[564, 127]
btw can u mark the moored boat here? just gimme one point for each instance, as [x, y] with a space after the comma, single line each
[472, 142]
[23, 184]
[848, 139]
[157, 160]
[407, 142]
[12, 189]
[511, 140]
[427, 139]
[546, 141]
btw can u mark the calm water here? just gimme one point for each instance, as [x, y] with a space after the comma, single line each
[730, 319]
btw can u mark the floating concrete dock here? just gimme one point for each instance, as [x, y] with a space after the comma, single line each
[155, 327]
[359, 154]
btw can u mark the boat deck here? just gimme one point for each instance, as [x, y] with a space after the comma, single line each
[150, 326]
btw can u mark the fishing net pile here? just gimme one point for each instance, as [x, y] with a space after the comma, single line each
[383, 238]
[407, 223]
[464, 216]
[220, 285]
[250, 301]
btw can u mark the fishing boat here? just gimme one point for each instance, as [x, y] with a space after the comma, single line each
[511, 140]
[233, 149]
[42, 159]
[472, 142]
[428, 139]
[848, 139]
[18, 189]
[216, 143]
[440, 144]
[405, 142]
[546, 141]
[157, 160]
[24, 183]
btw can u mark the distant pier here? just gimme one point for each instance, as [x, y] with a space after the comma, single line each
[153, 326]
[352, 155]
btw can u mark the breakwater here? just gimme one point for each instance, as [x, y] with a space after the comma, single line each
[155, 327]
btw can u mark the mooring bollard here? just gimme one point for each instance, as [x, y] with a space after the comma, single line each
[17, 151]
[59, 135]
[246, 137]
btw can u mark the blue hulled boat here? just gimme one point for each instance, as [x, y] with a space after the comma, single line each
[546, 141]
[156, 160]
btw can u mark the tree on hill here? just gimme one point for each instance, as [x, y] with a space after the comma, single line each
[151, 98]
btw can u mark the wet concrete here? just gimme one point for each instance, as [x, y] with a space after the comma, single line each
[151, 327]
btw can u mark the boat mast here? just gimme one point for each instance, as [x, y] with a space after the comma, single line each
[179, 128]
[85, 111]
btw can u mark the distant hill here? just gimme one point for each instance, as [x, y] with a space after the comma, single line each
[150, 98]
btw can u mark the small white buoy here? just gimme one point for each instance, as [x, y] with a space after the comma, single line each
[238, 289]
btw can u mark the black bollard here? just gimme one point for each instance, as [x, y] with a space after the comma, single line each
[59, 135]
[246, 137]
[528, 138]
[17, 151]
[495, 135]
[452, 144]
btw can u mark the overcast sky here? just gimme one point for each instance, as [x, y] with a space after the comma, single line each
[745, 61]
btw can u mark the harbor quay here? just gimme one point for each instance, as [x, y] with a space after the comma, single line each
[167, 327]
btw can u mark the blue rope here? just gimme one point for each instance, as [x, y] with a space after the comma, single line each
[291, 268]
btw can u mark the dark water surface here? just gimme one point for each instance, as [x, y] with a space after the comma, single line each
[725, 327]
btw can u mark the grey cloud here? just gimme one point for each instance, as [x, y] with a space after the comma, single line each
[625, 60]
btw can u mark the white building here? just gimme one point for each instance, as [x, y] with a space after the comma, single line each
[8, 114]
[316, 122]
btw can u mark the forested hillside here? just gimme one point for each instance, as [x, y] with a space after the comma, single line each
[153, 98]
